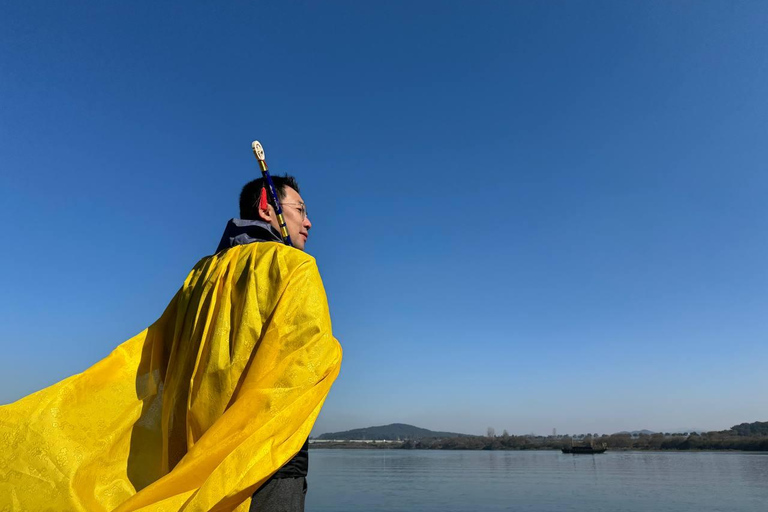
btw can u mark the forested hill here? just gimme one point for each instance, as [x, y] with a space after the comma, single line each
[739, 437]
[393, 432]
[757, 428]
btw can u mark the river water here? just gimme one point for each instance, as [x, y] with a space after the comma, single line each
[539, 481]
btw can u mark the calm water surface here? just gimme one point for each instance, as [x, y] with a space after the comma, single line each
[459, 481]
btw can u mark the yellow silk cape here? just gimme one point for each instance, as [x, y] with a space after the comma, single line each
[195, 412]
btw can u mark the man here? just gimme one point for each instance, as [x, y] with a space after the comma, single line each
[257, 215]
[286, 490]
[208, 407]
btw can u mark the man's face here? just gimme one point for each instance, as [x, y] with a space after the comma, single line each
[294, 213]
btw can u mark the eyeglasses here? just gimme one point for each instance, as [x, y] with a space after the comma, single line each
[301, 207]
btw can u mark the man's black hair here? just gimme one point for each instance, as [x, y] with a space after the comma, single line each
[249, 197]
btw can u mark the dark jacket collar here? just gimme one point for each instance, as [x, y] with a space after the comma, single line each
[242, 231]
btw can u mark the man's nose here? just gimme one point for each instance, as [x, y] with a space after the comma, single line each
[307, 223]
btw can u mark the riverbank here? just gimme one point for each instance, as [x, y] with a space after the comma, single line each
[708, 441]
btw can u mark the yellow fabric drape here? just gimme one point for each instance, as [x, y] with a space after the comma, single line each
[195, 412]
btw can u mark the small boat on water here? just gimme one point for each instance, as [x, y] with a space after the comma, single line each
[585, 449]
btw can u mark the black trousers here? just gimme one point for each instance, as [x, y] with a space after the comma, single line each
[280, 495]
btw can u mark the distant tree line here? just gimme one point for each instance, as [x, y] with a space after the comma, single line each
[746, 436]
[757, 428]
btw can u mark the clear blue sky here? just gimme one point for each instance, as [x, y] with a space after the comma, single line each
[527, 214]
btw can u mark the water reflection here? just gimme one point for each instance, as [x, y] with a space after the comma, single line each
[454, 481]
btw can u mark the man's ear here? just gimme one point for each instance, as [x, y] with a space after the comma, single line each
[265, 215]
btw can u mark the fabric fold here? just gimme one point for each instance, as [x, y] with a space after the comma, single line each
[195, 412]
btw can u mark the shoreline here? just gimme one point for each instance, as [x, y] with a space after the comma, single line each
[390, 445]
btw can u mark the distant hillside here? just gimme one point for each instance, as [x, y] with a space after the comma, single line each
[637, 432]
[674, 431]
[757, 428]
[391, 432]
